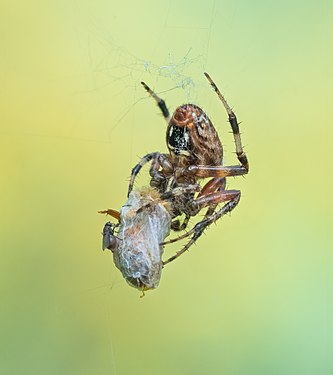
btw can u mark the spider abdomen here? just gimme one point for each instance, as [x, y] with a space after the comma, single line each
[192, 135]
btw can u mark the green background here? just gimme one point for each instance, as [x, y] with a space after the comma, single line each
[254, 296]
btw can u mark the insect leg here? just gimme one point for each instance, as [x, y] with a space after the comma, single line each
[111, 212]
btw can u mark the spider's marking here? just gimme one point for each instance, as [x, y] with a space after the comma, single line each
[186, 136]
[179, 140]
[170, 131]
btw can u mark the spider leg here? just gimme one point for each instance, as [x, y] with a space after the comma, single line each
[135, 171]
[177, 227]
[211, 200]
[199, 228]
[159, 171]
[221, 171]
[215, 184]
[234, 125]
[160, 102]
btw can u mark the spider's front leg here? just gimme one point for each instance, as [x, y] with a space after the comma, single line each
[135, 171]
[234, 126]
[159, 159]
[160, 102]
[158, 177]
[161, 171]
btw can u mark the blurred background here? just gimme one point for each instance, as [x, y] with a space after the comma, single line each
[254, 295]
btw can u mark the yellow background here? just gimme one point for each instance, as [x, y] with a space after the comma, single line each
[254, 296]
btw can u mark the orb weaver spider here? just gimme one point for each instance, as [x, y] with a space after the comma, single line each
[195, 153]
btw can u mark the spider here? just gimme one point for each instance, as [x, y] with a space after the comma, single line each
[195, 153]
